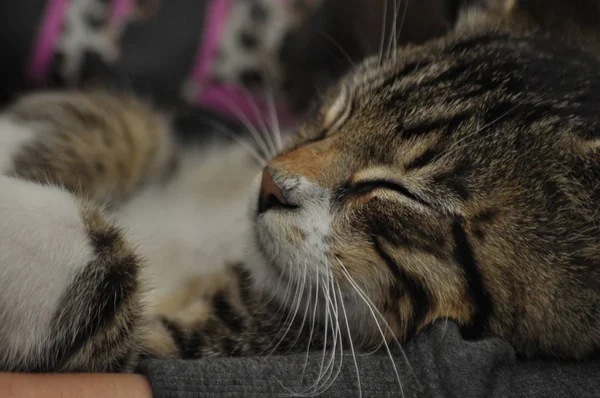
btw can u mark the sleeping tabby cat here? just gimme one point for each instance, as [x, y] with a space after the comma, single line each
[454, 180]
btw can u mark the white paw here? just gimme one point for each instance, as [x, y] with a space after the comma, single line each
[43, 245]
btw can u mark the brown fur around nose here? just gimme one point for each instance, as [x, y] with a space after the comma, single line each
[309, 162]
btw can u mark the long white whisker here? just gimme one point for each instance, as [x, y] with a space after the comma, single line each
[350, 341]
[397, 34]
[312, 326]
[247, 124]
[301, 329]
[444, 330]
[383, 32]
[293, 285]
[322, 364]
[267, 135]
[332, 377]
[328, 320]
[297, 299]
[253, 152]
[373, 307]
[371, 310]
[456, 147]
[325, 369]
[392, 41]
[274, 119]
[340, 48]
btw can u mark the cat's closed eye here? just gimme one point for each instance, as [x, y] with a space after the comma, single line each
[366, 189]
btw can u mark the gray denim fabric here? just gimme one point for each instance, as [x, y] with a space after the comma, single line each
[443, 365]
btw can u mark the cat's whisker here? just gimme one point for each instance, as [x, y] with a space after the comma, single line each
[399, 32]
[311, 388]
[383, 32]
[332, 377]
[456, 147]
[444, 329]
[374, 313]
[243, 143]
[283, 303]
[370, 302]
[350, 340]
[243, 119]
[266, 132]
[275, 292]
[382, 318]
[297, 300]
[341, 49]
[328, 320]
[312, 326]
[338, 330]
[325, 370]
[301, 328]
[393, 31]
[274, 119]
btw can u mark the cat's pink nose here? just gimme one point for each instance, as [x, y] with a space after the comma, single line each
[270, 194]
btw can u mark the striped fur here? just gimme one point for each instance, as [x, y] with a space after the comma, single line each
[460, 184]
[457, 179]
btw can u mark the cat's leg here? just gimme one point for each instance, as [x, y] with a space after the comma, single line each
[69, 282]
[69, 288]
[98, 146]
[224, 316]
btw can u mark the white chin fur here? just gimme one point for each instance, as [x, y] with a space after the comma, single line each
[291, 246]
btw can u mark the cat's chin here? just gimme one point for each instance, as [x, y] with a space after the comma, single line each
[288, 249]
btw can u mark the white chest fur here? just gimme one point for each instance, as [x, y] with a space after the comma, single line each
[197, 222]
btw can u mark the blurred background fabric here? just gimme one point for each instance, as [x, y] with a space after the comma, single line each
[291, 50]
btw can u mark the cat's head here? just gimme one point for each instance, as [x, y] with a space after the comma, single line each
[451, 180]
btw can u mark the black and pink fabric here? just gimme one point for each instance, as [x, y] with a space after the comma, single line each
[220, 55]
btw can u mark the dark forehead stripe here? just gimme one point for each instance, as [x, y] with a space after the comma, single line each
[481, 297]
[448, 123]
[455, 179]
[407, 70]
[426, 158]
[419, 297]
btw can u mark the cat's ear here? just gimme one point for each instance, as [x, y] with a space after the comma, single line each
[341, 33]
[571, 22]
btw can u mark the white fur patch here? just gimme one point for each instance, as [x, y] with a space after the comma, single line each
[195, 224]
[302, 260]
[43, 243]
[12, 137]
